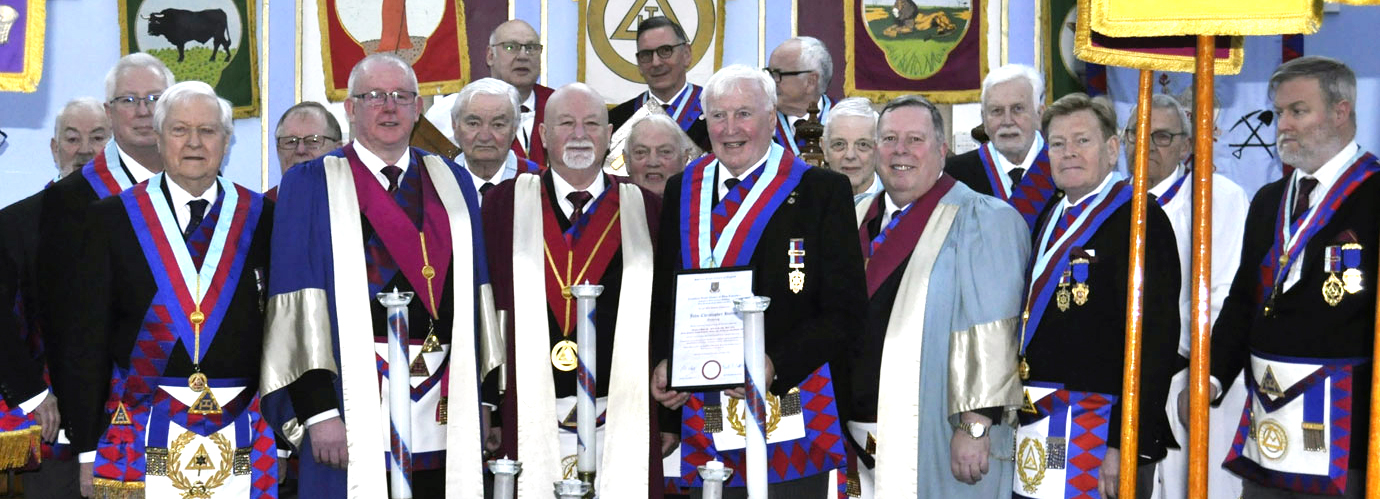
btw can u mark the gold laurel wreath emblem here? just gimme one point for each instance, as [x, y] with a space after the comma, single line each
[1030, 464]
[198, 489]
[735, 420]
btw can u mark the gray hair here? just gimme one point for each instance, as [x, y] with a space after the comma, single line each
[188, 90]
[1012, 72]
[485, 86]
[658, 120]
[1163, 101]
[1338, 82]
[307, 107]
[858, 107]
[917, 101]
[133, 61]
[77, 104]
[813, 54]
[380, 58]
[730, 77]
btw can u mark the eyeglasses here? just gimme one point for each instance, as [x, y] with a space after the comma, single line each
[289, 143]
[664, 52]
[1160, 138]
[777, 74]
[130, 102]
[513, 47]
[377, 98]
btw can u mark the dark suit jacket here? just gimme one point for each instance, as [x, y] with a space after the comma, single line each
[620, 114]
[117, 289]
[1302, 324]
[968, 168]
[803, 330]
[22, 378]
[1083, 347]
[536, 151]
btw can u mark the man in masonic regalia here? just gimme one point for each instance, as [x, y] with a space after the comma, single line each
[173, 280]
[377, 216]
[944, 273]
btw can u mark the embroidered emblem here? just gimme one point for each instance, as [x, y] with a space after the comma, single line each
[1031, 464]
[1273, 441]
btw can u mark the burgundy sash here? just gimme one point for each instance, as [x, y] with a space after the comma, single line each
[901, 240]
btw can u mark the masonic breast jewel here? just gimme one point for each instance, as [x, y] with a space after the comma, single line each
[1346, 260]
[795, 256]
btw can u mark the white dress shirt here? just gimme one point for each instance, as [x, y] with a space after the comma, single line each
[725, 174]
[136, 170]
[564, 189]
[652, 98]
[376, 164]
[1327, 175]
[181, 198]
[1070, 203]
[1005, 166]
[872, 190]
[505, 172]
[891, 208]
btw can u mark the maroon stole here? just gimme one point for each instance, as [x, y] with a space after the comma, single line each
[586, 262]
[398, 233]
[900, 241]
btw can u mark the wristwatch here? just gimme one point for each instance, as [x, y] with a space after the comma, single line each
[974, 429]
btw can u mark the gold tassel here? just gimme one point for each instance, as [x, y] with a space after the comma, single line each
[1313, 437]
[106, 488]
[20, 447]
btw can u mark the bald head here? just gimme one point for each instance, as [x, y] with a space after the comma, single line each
[514, 55]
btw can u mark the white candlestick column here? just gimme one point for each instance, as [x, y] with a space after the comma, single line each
[586, 419]
[714, 475]
[505, 477]
[399, 395]
[755, 361]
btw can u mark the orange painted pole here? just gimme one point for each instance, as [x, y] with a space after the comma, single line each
[1135, 290]
[1202, 271]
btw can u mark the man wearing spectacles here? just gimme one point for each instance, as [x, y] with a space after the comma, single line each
[802, 68]
[663, 58]
[850, 146]
[1171, 169]
[408, 207]
[305, 132]
[514, 56]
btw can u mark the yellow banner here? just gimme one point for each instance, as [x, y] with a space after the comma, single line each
[1158, 53]
[1127, 18]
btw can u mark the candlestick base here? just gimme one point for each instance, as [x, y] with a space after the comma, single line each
[572, 489]
[587, 478]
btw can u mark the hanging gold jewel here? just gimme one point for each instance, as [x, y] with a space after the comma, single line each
[205, 404]
[1024, 369]
[1061, 298]
[419, 369]
[1332, 290]
[564, 356]
[1080, 294]
[197, 382]
[121, 416]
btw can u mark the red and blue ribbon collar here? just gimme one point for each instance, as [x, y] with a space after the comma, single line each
[105, 174]
[685, 107]
[1291, 237]
[1032, 193]
[725, 234]
[183, 287]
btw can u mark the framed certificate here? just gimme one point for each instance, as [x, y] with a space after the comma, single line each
[707, 340]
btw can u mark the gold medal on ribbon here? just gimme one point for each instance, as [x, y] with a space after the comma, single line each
[797, 280]
[795, 259]
[1332, 290]
[565, 356]
[1080, 294]
[1061, 298]
[197, 382]
[1351, 281]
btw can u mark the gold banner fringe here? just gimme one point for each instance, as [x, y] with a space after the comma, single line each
[106, 488]
[20, 447]
[1251, 17]
[1086, 51]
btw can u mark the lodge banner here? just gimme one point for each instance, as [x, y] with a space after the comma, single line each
[607, 59]
[936, 48]
[205, 40]
[21, 45]
[1156, 53]
[428, 34]
[1064, 73]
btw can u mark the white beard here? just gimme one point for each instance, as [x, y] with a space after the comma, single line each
[578, 160]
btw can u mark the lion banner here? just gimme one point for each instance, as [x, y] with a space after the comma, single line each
[607, 57]
[937, 48]
[205, 40]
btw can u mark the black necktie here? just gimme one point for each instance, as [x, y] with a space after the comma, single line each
[1305, 188]
[666, 107]
[730, 184]
[895, 215]
[485, 188]
[1015, 174]
[525, 109]
[578, 199]
[392, 172]
[198, 207]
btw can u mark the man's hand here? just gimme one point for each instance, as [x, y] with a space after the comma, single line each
[328, 443]
[669, 442]
[46, 414]
[87, 472]
[493, 437]
[1183, 402]
[1109, 479]
[968, 455]
[741, 392]
[668, 398]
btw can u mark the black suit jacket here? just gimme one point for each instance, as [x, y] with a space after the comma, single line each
[1301, 323]
[117, 289]
[1083, 347]
[968, 168]
[803, 330]
[620, 114]
[22, 378]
